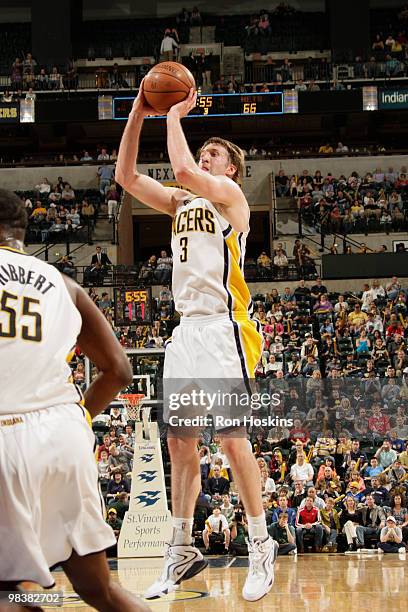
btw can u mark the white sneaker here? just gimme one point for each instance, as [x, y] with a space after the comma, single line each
[180, 563]
[262, 556]
[293, 552]
[380, 551]
[402, 550]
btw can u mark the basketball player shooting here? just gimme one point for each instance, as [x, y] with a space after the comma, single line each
[50, 507]
[216, 337]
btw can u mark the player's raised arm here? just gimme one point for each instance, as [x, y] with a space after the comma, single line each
[217, 185]
[142, 187]
[99, 343]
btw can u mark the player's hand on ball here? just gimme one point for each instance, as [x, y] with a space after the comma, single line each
[183, 108]
[141, 107]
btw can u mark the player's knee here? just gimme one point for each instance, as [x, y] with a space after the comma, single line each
[234, 448]
[180, 448]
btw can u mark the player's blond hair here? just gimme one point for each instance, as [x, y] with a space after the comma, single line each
[235, 154]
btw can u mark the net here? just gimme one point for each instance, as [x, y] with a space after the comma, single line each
[133, 404]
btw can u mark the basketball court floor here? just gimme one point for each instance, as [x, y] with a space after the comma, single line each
[315, 582]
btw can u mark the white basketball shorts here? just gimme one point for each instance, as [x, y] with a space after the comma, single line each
[49, 498]
[213, 353]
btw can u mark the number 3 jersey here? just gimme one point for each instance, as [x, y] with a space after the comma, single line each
[39, 325]
[208, 263]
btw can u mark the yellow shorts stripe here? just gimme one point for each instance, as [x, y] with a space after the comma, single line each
[251, 345]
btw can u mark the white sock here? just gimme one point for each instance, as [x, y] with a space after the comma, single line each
[182, 528]
[257, 527]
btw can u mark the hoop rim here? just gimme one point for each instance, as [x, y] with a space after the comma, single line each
[133, 398]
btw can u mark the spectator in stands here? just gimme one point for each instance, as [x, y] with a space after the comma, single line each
[391, 537]
[105, 302]
[55, 79]
[16, 76]
[112, 199]
[280, 262]
[350, 518]
[148, 267]
[88, 213]
[285, 534]
[164, 268]
[121, 505]
[227, 509]
[386, 455]
[330, 518]
[42, 80]
[282, 184]
[217, 485]
[372, 521]
[216, 526]
[341, 148]
[393, 288]
[239, 533]
[206, 68]
[326, 149]
[168, 46]
[300, 85]
[318, 502]
[86, 157]
[302, 471]
[263, 262]
[313, 86]
[400, 512]
[100, 258]
[68, 194]
[103, 470]
[379, 492]
[114, 522]
[7, 96]
[116, 486]
[116, 79]
[120, 460]
[29, 68]
[308, 522]
[105, 174]
[283, 508]
[116, 419]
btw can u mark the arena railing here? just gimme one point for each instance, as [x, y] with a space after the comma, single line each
[325, 72]
[133, 276]
[322, 73]
[105, 230]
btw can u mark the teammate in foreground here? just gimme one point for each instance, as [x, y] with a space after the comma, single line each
[216, 337]
[50, 507]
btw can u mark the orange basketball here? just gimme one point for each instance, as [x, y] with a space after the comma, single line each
[167, 84]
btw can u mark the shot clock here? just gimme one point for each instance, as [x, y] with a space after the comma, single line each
[133, 306]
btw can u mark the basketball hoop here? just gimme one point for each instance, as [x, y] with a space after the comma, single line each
[133, 403]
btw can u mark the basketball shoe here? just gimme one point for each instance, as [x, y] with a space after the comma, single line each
[180, 563]
[262, 556]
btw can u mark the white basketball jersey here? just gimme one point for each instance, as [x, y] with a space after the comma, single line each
[208, 263]
[39, 325]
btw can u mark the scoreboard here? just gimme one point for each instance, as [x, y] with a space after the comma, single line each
[133, 306]
[219, 105]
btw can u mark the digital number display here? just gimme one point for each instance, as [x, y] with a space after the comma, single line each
[133, 307]
[238, 105]
[219, 105]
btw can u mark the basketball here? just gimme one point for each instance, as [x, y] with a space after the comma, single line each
[167, 84]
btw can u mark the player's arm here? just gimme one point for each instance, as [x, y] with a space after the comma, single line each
[220, 189]
[141, 186]
[99, 343]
